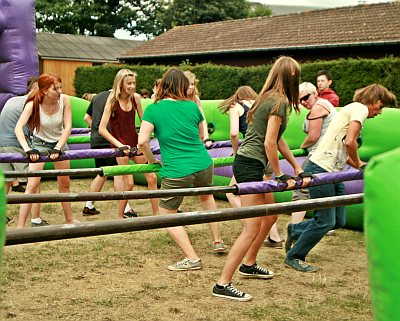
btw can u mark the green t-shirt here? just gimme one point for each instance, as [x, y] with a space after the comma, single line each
[176, 126]
[253, 144]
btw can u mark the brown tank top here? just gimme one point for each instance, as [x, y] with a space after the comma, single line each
[122, 125]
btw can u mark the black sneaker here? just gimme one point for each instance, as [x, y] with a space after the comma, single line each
[289, 238]
[9, 220]
[230, 292]
[255, 271]
[299, 265]
[18, 189]
[90, 211]
[42, 223]
[130, 214]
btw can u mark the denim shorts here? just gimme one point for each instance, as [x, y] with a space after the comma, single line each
[203, 178]
[43, 146]
[246, 169]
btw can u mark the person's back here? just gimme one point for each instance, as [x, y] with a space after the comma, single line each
[95, 110]
[8, 119]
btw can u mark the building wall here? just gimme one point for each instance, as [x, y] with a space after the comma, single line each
[65, 70]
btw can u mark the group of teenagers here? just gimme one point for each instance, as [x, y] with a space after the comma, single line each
[177, 120]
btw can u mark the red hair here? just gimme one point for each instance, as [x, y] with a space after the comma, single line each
[44, 82]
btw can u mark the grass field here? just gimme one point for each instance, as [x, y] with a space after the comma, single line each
[124, 276]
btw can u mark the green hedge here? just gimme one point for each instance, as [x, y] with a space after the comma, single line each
[219, 82]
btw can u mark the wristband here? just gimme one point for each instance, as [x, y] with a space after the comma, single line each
[283, 178]
[208, 140]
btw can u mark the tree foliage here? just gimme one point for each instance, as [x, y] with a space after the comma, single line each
[148, 17]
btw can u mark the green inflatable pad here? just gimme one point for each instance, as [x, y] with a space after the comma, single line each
[382, 225]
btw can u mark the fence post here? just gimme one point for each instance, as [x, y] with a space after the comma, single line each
[382, 226]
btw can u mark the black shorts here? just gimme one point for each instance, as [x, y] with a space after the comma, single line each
[246, 169]
[108, 161]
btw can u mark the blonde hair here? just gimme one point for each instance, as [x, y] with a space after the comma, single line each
[307, 87]
[192, 77]
[242, 93]
[372, 93]
[282, 85]
[116, 89]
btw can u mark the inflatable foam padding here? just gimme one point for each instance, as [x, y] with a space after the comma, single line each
[382, 225]
[18, 51]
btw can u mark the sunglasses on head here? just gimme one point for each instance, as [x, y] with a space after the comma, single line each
[305, 98]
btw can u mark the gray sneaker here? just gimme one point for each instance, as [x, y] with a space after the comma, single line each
[230, 292]
[255, 271]
[219, 247]
[299, 265]
[42, 223]
[186, 265]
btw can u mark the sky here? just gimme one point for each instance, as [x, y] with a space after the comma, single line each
[121, 34]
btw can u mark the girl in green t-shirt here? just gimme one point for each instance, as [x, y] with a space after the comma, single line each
[178, 125]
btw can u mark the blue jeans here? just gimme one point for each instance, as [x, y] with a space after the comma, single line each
[309, 233]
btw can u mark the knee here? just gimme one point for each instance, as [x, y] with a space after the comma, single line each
[152, 181]
[63, 184]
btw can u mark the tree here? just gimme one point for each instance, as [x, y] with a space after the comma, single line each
[186, 12]
[85, 17]
[148, 17]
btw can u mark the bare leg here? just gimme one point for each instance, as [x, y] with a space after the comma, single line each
[64, 187]
[234, 200]
[179, 235]
[298, 217]
[151, 179]
[251, 228]
[208, 203]
[31, 188]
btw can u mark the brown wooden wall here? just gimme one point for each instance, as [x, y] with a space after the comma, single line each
[65, 69]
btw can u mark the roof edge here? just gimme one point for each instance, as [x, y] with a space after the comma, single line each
[221, 52]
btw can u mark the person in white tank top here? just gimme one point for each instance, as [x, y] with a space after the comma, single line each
[338, 147]
[48, 115]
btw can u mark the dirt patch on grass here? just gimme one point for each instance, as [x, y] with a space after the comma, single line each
[125, 277]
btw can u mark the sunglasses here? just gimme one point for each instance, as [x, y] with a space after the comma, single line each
[305, 98]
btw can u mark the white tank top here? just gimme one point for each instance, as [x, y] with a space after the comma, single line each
[51, 126]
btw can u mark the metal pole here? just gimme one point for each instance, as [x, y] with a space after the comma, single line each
[67, 231]
[54, 173]
[110, 196]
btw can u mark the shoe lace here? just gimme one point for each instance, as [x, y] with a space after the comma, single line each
[235, 291]
[261, 269]
[183, 262]
[302, 264]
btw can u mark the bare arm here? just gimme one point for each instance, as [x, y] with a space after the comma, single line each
[270, 143]
[146, 129]
[201, 131]
[351, 145]
[234, 128]
[88, 120]
[315, 124]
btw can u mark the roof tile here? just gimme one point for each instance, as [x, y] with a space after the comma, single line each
[356, 24]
